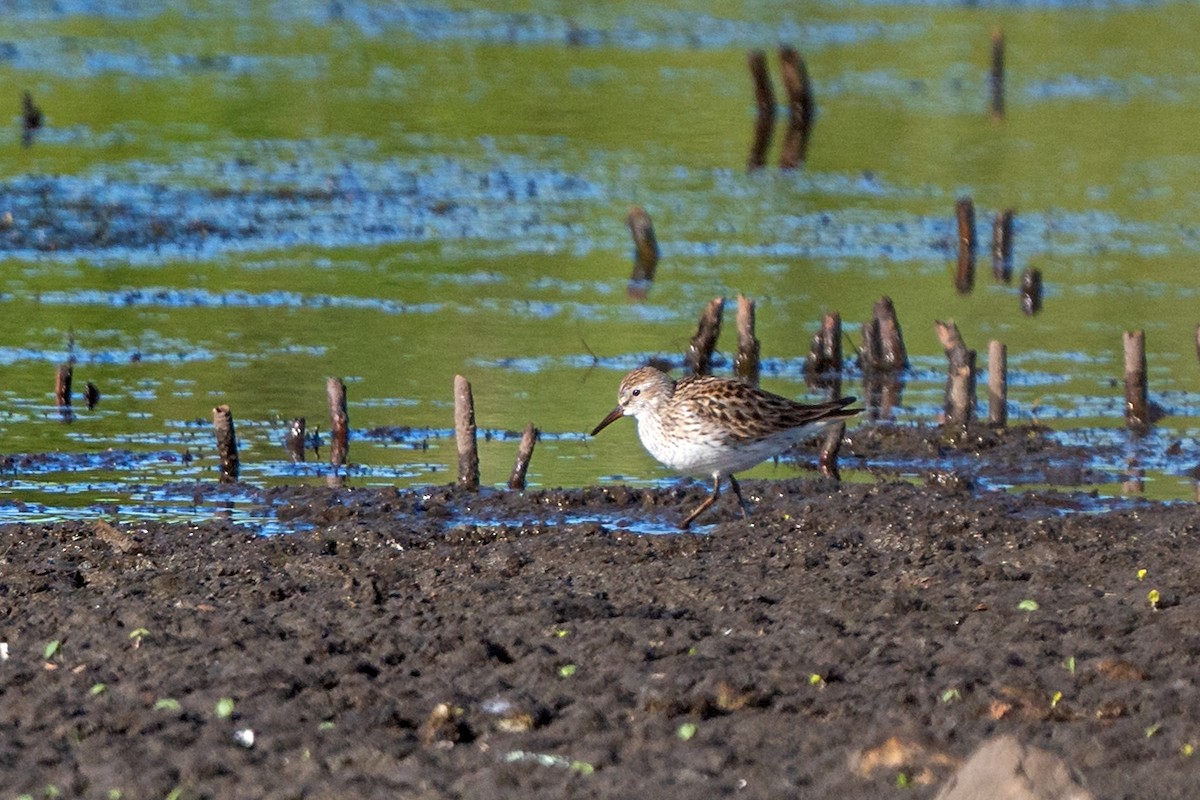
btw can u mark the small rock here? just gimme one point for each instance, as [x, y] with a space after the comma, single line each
[1004, 769]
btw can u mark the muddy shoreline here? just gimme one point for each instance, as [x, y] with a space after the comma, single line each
[858, 640]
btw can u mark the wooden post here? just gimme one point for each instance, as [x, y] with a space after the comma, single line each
[882, 346]
[700, 350]
[295, 440]
[892, 353]
[883, 358]
[960, 380]
[1002, 228]
[516, 481]
[464, 434]
[1137, 406]
[764, 103]
[1031, 291]
[825, 352]
[31, 119]
[339, 431]
[823, 367]
[645, 252]
[997, 384]
[227, 448]
[831, 443]
[997, 75]
[746, 363]
[801, 108]
[62, 387]
[91, 395]
[964, 275]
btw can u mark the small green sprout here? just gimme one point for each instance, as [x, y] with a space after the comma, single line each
[167, 704]
[224, 708]
[98, 688]
[52, 649]
[137, 634]
[1153, 596]
[562, 633]
[1187, 749]
[1153, 729]
[686, 731]
[567, 670]
[582, 767]
[1070, 665]
[1028, 605]
[1055, 699]
[1141, 573]
[326, 725]
[902, 781]
[950, 695]
[815, 679]
[113, 794]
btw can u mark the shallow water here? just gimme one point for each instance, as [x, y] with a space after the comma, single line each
[229, 205]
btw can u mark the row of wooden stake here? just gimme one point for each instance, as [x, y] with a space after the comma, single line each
[296, 440]
[883, 358]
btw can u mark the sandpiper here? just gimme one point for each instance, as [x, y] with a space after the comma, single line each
[705, 425]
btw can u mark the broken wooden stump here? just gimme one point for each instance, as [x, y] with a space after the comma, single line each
[823, 367]
[339, 429]
[1137, 405]
[997, 384]
[825, 352]
[746, 365]
[464, 434]
[295, 440]
[883, 358]
[31, 119]
[1002, 227]
[1031, 291]
[62, 387]
[698, 360]
[892, 355]
[227, 448]
[801, 108]
[882, 348]
[964, 273]
[996, 75]
[764, 104]
[529, 437]
[645, 252]
[959, 403]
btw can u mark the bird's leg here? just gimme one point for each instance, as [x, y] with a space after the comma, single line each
[741, 500]
[707, 504]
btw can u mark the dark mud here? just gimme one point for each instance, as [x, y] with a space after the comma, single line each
[857, 640]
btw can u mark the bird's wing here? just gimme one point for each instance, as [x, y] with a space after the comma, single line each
[737, 411]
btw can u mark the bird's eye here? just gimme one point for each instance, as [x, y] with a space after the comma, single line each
[636, 392]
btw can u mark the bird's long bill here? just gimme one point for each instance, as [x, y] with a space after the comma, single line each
[612, 417]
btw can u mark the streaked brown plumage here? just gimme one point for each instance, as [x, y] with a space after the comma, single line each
[702, 424]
